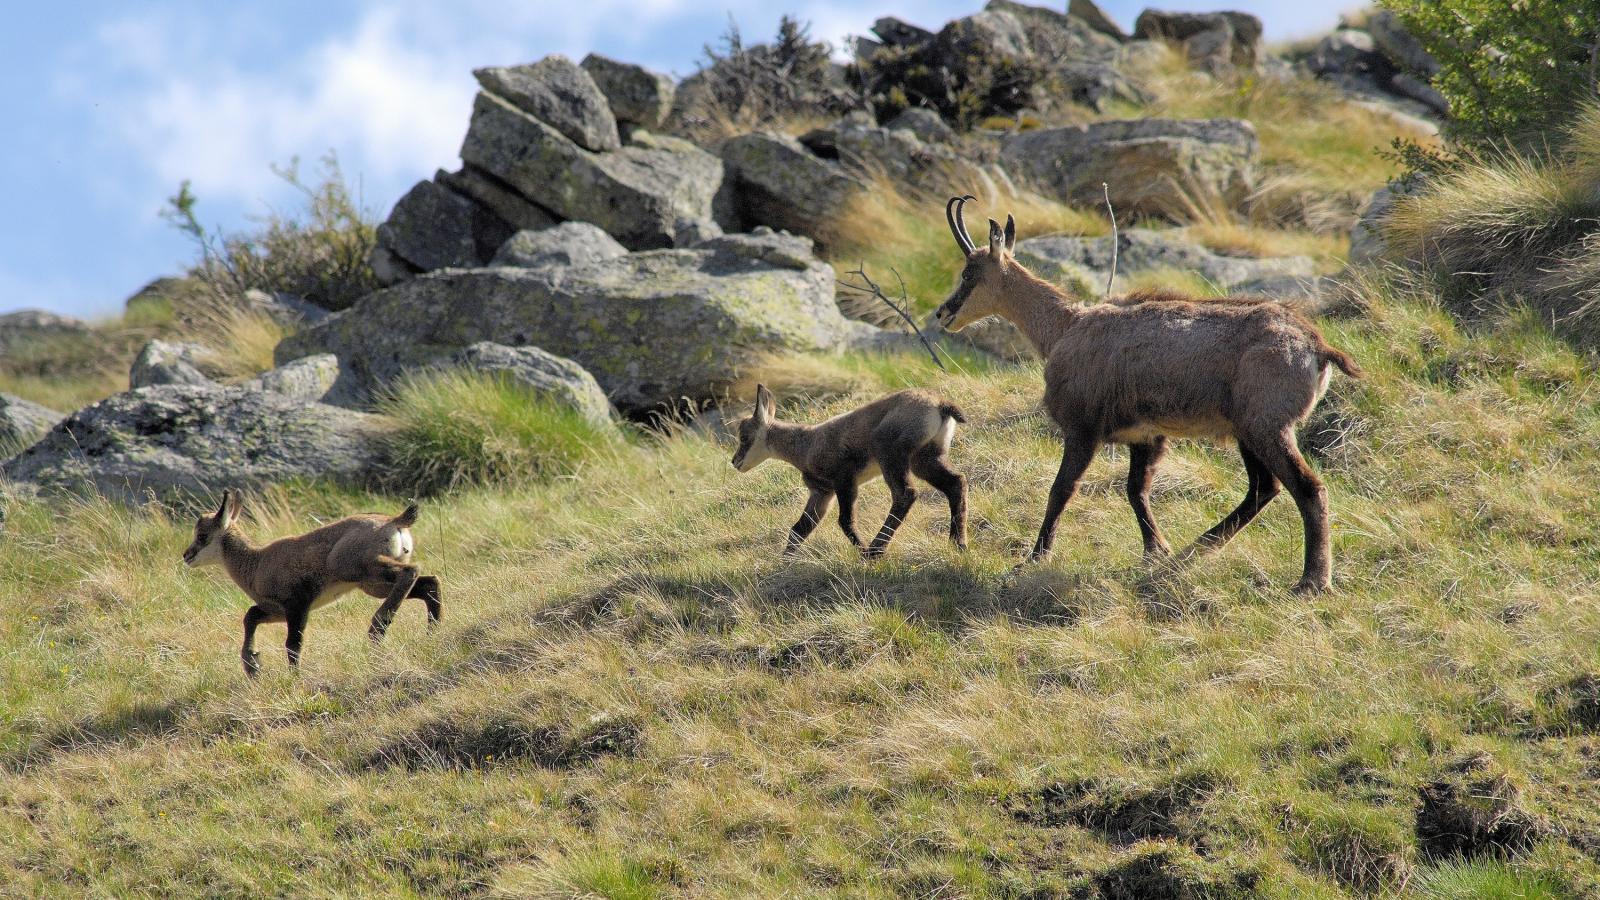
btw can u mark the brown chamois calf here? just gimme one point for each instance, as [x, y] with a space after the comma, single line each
[898, 435]
[1156, 365]
[289, 578]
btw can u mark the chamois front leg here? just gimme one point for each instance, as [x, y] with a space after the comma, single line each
[816, 507]
[1076, 455]
[253, 617]
[400, 578]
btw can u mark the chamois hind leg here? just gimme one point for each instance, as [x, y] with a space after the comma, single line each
[398, 578]
[816, 507]
[1282, 458]
[847, 511]
[253, 617]
[427, 590]
[295, 614]
[1076, 454]
[1263, 487]
[903, 496]
[933, 466]
[1142, 460]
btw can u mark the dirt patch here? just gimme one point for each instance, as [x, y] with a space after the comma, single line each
[449, 744]
[1473, 810]
[1123, 812]
[1575, 705]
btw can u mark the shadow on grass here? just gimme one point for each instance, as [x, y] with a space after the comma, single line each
[140, 722]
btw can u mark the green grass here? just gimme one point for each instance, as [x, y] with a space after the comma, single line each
[458, 428]
[632, 695]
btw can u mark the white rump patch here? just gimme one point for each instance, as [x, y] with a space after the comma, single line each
[947, 433]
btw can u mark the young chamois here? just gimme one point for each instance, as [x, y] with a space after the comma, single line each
[903, 433]
[289, 578]
[1157, 365]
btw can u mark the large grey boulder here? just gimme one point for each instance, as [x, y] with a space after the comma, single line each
[167, 362]
[924, 123]
[567, 244]
[1092, 15]
[1152, 166]
[26, 326]
[900, 33]
[780, 183]
[637, 95]
[652, 327]
[309, 379]
[869, 151]
[188, 440]
[1348, 51]
[1401, 46]
[637, 194]
[1216, 42]
[559, 93]
[553, 377]
[496, 196]
[23, 421]
[433, 227]
[1142, 250]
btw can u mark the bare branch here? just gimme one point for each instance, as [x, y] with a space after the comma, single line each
[872, 289]
[1111, 275]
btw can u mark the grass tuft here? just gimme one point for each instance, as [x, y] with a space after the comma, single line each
[458, 429]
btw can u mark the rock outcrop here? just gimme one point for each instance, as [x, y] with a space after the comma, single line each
[780, 183]
[637, 194]
[1152, 166]
[567, 244]
[560, 94]
[23, 421]
[29, 325]
[652, 327]
[180, 441]
[1067, 259]
[555, 378]
[166, 362]
[1217, 41]
[637, 95]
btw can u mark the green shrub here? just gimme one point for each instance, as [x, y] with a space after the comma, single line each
[319, 255]
[460, 428]
[1512, 71]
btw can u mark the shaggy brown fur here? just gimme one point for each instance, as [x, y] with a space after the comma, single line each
[290, 577]
[1155, 365]
[903, 433]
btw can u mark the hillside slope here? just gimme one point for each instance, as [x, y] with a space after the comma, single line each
[632, 696]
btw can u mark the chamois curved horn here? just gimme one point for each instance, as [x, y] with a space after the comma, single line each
[952, 214]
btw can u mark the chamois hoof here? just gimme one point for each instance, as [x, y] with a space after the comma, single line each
[252, 663]
[1310, 587]
[871, 554]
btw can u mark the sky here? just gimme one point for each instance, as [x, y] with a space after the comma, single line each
[109, 106]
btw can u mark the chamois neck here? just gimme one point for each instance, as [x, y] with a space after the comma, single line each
[788, 441]
[1038, 308]
[240, 558]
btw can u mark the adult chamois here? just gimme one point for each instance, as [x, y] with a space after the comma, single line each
[1155, 365]
[289, 578]
[895, 436]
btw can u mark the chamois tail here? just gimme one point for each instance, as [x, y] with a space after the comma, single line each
[407, 518]
[951, 411]
[1342, 360]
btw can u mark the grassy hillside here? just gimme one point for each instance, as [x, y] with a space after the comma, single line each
[632, 696]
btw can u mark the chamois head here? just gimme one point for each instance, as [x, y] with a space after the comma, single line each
[978, 291]
[208, 531]
[753, 450]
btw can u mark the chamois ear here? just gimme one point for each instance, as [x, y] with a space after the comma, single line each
[230, 509]
[222, 509]
[764, 404]
[996, 239]
[1011, 232]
